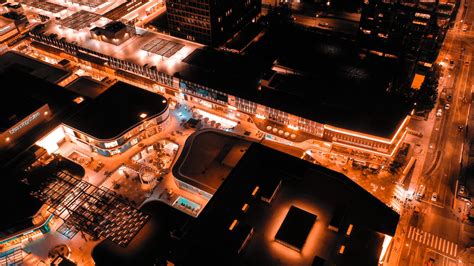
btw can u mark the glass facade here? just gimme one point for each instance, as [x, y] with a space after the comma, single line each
[125, 141]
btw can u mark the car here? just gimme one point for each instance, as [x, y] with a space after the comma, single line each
[447, 106]
[434, 197]
[449, 98]
[439, 112]
[461, 190]
[451, 64]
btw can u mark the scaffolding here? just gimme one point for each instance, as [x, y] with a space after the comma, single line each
[96, 211]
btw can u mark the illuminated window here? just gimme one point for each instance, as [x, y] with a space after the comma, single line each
[245, 207]
[233, 224]
[111, 144]
[143, 115]
[78, 100]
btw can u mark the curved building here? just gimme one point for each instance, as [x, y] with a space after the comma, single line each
[118, 119]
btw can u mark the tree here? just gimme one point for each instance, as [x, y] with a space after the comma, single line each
[427, 95]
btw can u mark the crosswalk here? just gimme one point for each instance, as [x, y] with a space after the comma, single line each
[435, 242]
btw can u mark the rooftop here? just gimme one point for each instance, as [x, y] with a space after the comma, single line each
[214, 238]
[314, 76]
[19, 206]
[87, 87]
[207, 158]
[131, 50]
[31, 90]
[30, 93]
[324, 77]
[32, 66]
[117, 110]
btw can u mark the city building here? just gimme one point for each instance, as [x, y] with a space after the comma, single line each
[243, 223]
[39, 106]
[209, 22]
[117, 119]
[25, 217]
[409, 29]
[240, 225]
[224, 149]
[331, 105]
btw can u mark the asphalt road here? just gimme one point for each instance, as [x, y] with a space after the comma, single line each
[436, 232]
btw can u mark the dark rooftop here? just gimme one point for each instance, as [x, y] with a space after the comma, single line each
[326, 80]
[153, 242]
[305, 185]
[114, 26]
[18, 205]
[87, 87]
[117, 110]
[28, 93]
[32, 66]
[202, 161]
[295, 228]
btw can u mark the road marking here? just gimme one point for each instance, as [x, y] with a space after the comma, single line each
[410, 231]
[437, 243]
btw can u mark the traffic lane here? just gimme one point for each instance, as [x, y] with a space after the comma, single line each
[451, 139]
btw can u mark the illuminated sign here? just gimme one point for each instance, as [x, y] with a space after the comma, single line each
[24, 123]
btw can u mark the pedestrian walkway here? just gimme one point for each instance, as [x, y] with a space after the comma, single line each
[435, 242]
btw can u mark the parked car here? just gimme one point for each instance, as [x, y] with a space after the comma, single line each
[439, 112]
[447, 106]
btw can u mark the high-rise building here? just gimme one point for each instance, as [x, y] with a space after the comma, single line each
[412, 29]
[210, 22]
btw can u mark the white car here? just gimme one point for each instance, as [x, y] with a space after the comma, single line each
[434, 197]
[439, 112]
[447, 106]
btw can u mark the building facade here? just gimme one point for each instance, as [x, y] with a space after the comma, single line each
[412, 29]
[209, 22]
[122, 142]
[332, 141]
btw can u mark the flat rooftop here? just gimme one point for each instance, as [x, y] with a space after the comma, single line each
[310, 187]
[130, 50]
[204, 161]
[87, 87]
[314, 76]
[117, 110]
[32, 66]
[295, 228]
[29, 93]
[18, 205]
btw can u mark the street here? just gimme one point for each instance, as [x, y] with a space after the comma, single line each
[433, 228]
